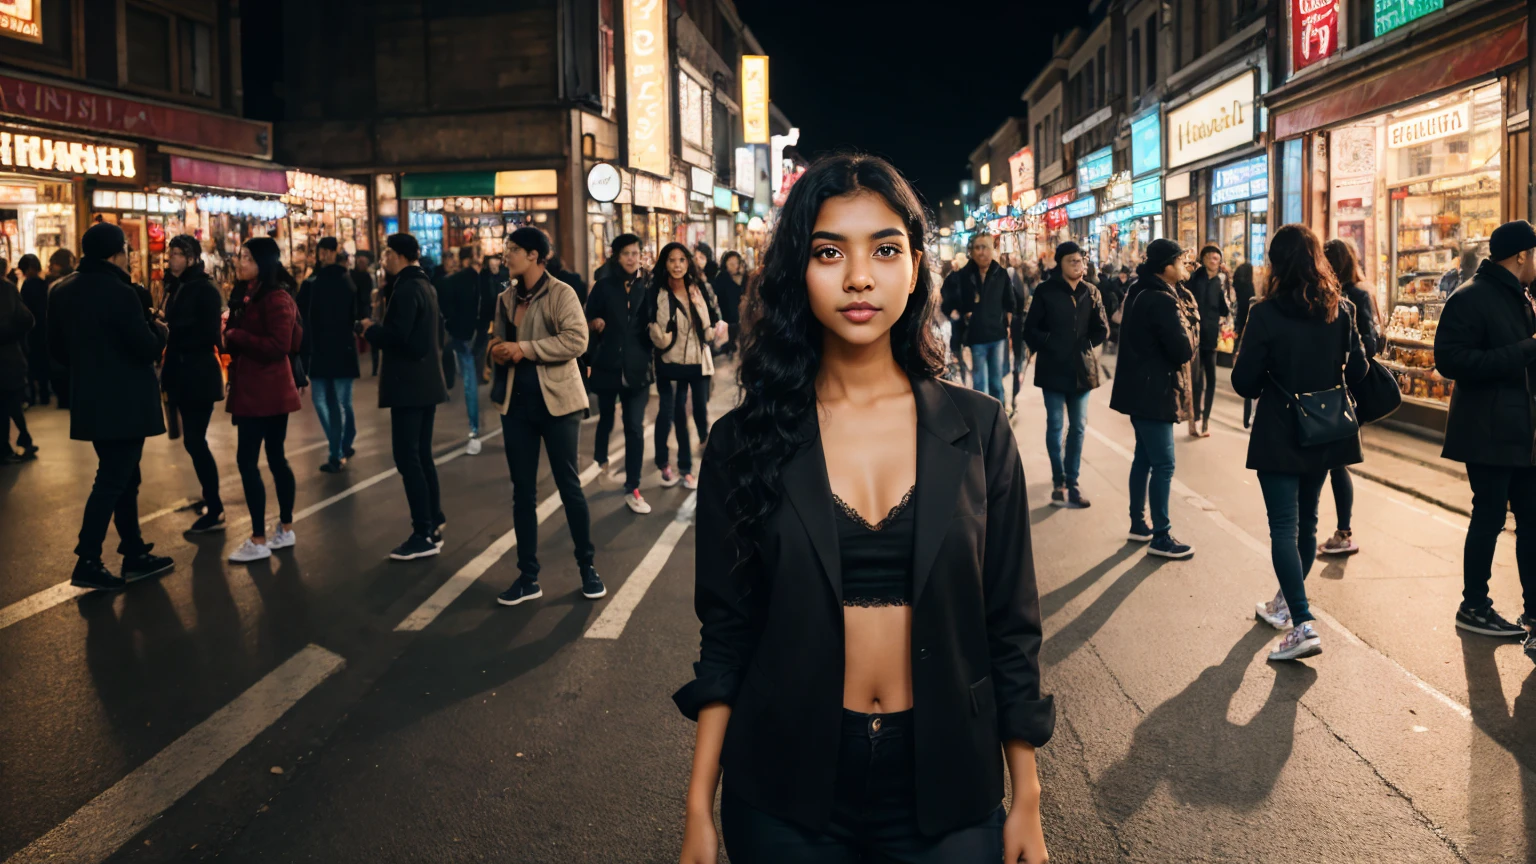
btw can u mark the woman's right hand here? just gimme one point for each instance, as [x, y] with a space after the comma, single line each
[701, 842]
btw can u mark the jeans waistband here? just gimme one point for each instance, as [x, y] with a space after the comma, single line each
[895, 724]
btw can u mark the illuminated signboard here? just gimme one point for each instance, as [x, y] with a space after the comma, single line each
[1095, 169]
[1218, 121]
[744, 179]
[1314, 31]
[1422, 128]
[1147, 197]
[1051, 203]
[1021, 171]
[646, 61]
[604, 183]
[47, 153]
[1392, 14]
[1240, 181]
[1147, 144]
[1056, 219]
[22, 19]
[754, 96]
[1085, 206]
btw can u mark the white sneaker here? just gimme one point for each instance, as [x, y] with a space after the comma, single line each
[1301, 642]
[690, 481]
[637, 503]
[280, 539]
[1274, 613]
[669, 477]
[473, 448]
[250, 551]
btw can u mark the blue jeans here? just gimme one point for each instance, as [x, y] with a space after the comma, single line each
[989, 359]
[1064, 471]
[333, 405]
[1291, 500]
[1152, 472]
[464, 353]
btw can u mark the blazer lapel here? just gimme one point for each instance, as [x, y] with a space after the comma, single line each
[810, 493]
[941, 463]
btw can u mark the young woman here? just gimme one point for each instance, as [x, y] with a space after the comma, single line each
[1300, 339]
[262, 333]
[191, 376]
[864, 577]
[729, 284]
[1157, 341]
[1346, 268]
[1242, 289]
[683, 327]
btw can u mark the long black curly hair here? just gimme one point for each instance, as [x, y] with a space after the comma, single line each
[782, 348]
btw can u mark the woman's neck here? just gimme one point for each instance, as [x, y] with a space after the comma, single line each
[859, 373]
[677, 285]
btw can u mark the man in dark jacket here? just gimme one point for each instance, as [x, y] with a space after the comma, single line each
[411, 385]
[328, 303]
[985, 299]
[618, 316]
[1484, 343]
[362, 277]
[34, 294]
[573, 279]
[191, 376]
[1064, 325]
[459, 297]
[60, 265]
[16, 322]
[1209, 287]
[100, 336]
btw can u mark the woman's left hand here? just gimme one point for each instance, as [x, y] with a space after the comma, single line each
[1023, 836]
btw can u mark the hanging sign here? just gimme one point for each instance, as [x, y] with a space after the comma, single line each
[1094, 171]
[1147, 197]
[22, 19]
[646, 67]
[1314, 31]
[1218, 121]
[604, 183]
[1056, 219]
[1081, 207]
[1147, 144]
[754, 96]
[1118, 192]
[1021, 171]
[1000, 198]
[1422, 128]
[1240, 181]
[1392, 14]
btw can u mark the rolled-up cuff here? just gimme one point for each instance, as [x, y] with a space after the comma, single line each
[705, 690]
[1031, 720]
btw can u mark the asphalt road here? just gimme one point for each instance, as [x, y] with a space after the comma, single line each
[275, 712]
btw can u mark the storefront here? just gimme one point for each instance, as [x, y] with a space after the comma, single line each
[42, 179]
[477, 209]
[326, 207]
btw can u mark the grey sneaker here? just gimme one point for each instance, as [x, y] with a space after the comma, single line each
[1301, 642]
[1275, 613]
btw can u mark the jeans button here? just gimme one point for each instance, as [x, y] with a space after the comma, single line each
[924, 654]
[874, 725]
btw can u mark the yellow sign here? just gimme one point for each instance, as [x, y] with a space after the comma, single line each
[40, 153]
[515, 183]
[754, 98]
[645, 66]
[22, 19]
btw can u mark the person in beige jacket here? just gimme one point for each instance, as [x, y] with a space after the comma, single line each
[685, 324]
[538, 333]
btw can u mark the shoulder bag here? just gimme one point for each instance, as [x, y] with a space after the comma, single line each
[1323, 416]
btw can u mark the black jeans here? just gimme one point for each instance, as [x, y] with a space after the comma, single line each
[672, 409]
[194, 436]
[1343, 495]
[1207, 382]
[37, 379]
[874, 811]
[526, 425]
[1494, 489]
[632, 400]
[114, 498]
[410, 432]
[11, 402]
[251, 434]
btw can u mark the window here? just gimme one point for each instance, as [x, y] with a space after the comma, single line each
[1135, 62]
[1088, 90]
[149, 48]
[196, 48]
[1103, 73]
[695, 111]
[1151, 33]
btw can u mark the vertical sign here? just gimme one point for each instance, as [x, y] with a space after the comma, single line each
[22, 19]
[762, 194]
[645, 66]
[1146, 144]
[754, 98]
[1314, 31]
[1021, 171]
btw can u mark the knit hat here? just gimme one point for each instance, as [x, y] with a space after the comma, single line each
[1067, 248]
[1510, 239]
[188, 246]
[1161, 253]
[102, 241]
[263, 247]
[329, 244]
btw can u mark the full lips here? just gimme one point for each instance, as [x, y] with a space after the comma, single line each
[859, 314]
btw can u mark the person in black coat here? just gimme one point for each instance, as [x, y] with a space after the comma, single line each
[1242, 291]
[618, 315]
[569, 277]
[1300, 339]
[729, 285]
[1341, 257]
[328, 308]
[411, 385]
[1209, 287]
[100, 336]
[984, 299]
[1152, 387]
[1065, 324]
[192, 376]
[362, 277]
[458, 296]
[16, 321]
[1485, 344]
[34, 294]
[60, 265]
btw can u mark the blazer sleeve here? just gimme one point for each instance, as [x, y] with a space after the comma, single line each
[1459, 352]
[1098, 322]
[570, 339]
[1252, 360]
[1035, 334]
[724, 598]
[1012, 599]
[1170, 331]
[395, 332]
[1365, 324]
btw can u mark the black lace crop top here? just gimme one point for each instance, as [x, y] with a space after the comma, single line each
[876, 559]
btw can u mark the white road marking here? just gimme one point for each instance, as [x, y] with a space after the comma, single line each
[610, 625]
[39, 602]
[1405, 505]
[112, 818]
[165, 511]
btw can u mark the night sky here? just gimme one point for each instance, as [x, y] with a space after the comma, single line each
[921, 82]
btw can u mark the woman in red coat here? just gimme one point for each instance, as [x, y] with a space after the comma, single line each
[262, 333]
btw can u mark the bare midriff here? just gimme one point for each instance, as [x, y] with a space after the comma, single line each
[877, 659]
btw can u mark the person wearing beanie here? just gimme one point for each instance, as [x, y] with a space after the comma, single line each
[34, 294]
[101, 340]
[1208, 285]
[1157, 341]
[191, 376]
[1486, 343]
[983, 296]
[1065, 323]
[16, 321]
[328, 308]
[411, 385]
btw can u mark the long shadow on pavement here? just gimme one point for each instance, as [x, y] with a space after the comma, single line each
[1054, 601]
[1508, 752]
[1064, 642]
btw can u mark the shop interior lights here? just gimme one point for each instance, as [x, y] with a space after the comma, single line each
[260, 208]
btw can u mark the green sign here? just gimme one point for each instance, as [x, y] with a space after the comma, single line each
[1392, 14]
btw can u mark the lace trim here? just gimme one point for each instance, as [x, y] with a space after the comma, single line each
[875, 602]
[856, 517]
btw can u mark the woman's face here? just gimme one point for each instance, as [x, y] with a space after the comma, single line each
[700, 258]
[677, 263]
[733, 266]
[245, 267]
[863, 268]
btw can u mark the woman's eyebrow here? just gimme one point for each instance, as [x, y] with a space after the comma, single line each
[878, 235]
[887, 232]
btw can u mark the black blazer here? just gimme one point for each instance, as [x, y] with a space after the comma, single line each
[194, 314]
[772, 635]
[1484, 344]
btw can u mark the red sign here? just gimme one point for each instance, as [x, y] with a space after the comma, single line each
[1056, 219]
[1314, 31]
[100, 112]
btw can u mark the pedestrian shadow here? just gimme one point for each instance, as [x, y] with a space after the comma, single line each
[1503, 757]
[1055, 600]
[1064, 642]
[1335, 567]
[1040, 514]
[1205, 759]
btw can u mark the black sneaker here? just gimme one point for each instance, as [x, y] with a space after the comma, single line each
[331, 467]
[1140, 531]
[1164, 546]
[523, 590]
[349, 452]
[437, 539]
[208, 523]
[1059, 496]
[1487, 622]
[94, 575]
[145, 565]
[416, 546]
[29, 452]
[1076, 501]
[592, 584]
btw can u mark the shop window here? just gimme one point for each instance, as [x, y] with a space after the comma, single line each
[149, 48]
[1103, 72]
[1135, 62]
[1151, 33]
[693, 106]
[1291, 181]
[196, 49]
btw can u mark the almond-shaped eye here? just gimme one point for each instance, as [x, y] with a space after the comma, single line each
[827, 253]
[888, 250]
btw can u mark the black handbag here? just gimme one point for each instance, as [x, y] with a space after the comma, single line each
[1324, 416]
[300, 377]
[1376, 395]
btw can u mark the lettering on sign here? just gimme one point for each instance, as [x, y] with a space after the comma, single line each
[1392, 14]
[1429, 127]
[22, 19]
[38, 153]
[754, 99]
[1218, 121]
[1314, 31]
[646, 61]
